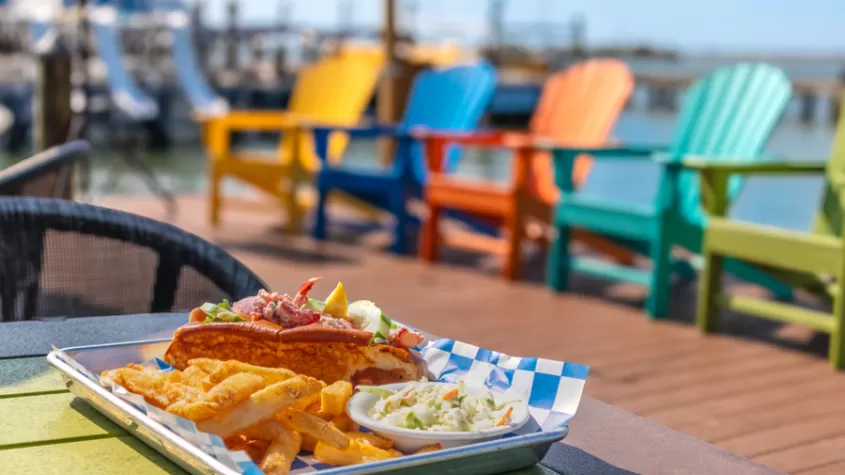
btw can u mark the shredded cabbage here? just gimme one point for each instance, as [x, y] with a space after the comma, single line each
[439, 407]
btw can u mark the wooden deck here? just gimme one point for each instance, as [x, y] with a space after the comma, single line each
[764, 391]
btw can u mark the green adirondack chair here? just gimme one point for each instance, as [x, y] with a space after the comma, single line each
[810, 261]
[730, 113]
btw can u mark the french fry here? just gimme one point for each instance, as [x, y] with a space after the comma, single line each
[150, 384]
[357, 452]
[372, 439]
[257, 449]
[333, 398]
[306, 403]
[232, 391]
[344, 423]
[237, 442]
[281, 453]
[260, 406]
[228, 368]
[309, 443]
[315, 427]
[267, 430]
[326, 453]
[374, 454]
[206, 364]
[192, 376]
[429, 448]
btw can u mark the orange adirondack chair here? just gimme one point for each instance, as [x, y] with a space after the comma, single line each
[578, 107]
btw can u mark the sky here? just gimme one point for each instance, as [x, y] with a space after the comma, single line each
[780, 26]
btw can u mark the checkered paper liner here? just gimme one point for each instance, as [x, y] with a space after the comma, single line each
[552, 390]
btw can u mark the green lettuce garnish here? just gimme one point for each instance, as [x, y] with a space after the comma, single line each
[316, 305]
[222, 312]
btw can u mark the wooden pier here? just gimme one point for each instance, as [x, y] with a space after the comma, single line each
[663, 91]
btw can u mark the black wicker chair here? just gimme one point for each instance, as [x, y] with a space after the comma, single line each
[59, 258]
[48, 174]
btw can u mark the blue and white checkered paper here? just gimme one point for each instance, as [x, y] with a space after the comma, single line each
[552, 390]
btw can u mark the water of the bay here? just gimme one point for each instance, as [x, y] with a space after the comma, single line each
[783, 202]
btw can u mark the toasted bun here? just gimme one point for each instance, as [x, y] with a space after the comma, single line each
[327, 354]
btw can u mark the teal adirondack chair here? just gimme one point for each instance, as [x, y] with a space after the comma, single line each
[729, 114]
[812, 261]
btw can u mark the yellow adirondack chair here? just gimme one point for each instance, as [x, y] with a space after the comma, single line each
[334, 90]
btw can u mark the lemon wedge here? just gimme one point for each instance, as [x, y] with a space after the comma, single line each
[337, 304]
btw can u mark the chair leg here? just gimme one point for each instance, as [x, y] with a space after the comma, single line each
[294, 217]
[400, 214]
[320, 219]
[685, 270]
[559, 262]
[214, 196]
[657, 304]
[709, 290]
[836, 352]
[430, 235]
[515, 225]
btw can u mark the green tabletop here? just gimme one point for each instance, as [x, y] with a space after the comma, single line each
[47, 430]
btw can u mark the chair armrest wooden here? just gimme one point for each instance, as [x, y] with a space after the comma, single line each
[730, 167]
[259, 120]
[715, 176]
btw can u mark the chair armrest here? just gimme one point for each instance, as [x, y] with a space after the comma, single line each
[259, 120]
[780, 167]
[612, 150]
[483, 138]
[358, 131]
[322, 132]
[564, 157]
[715, 176]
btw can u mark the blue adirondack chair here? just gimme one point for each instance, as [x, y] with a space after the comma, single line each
[727, 115]
[451, 99]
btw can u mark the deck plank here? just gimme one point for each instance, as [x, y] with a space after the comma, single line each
[737, 389]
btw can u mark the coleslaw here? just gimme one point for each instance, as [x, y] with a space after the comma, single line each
[439, 407]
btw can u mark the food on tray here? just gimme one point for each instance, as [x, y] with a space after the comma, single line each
[332, 341]
[270, 413]
[439, 407]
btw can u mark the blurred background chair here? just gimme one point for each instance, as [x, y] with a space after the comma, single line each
[133, 109]
[578, 106]
[333, 91]
[728, 114]
[452, 99]
[48, 174]
[59, 258]
[811, 261]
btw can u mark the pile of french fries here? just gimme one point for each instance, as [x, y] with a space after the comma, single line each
[270, 413]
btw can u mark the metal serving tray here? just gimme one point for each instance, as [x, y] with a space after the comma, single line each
[497, 456]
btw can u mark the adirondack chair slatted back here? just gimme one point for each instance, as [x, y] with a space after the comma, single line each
[451, 99]
[831, 213]
[335, 91]
[729, 114]
[578, 106]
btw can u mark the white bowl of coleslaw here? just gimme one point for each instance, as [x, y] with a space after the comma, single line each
[421, 414]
